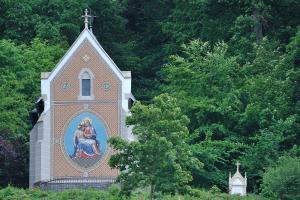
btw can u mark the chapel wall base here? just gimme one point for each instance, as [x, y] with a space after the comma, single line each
[65, 183]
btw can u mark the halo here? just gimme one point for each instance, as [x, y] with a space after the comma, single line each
[87, 119]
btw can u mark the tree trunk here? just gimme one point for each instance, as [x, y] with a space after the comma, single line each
[257, 28]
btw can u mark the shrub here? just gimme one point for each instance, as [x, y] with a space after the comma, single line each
[113, 193]
[282, 181]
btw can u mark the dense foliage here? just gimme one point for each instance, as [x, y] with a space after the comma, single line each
[161, 156]
[232, 65]
[113, 193]
[19, 85]
[244, 112]
[282, 181]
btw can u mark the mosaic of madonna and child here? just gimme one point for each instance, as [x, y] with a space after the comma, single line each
[85, 140]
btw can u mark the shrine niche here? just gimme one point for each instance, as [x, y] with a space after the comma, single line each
[238, 183]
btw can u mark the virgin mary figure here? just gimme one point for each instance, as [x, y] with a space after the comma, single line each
[85, 142]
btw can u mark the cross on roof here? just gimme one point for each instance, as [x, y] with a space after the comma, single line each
[86, 19]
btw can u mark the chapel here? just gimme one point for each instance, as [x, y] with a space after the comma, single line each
[237, 183]
[84, 101]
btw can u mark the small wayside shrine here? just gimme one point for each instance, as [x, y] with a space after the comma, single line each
[84, 101]
[237, 183]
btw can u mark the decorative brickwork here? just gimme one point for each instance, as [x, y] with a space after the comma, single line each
[72, 69]
[65, 106]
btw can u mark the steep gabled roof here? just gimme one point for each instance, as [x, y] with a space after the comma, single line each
[86, 34]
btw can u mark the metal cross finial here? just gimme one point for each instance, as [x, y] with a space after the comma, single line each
[86, 20]
[238, 165]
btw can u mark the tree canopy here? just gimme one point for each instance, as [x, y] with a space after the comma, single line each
[161, 157]
[231, 69]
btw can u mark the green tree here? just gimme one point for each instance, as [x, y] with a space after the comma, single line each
[145, 26]
[204, 79]
[282, 181]
[161, 157]
[55, 21]
[109, 27]
[60, 22]
[249, 112]
[20, 69]
[239, 22]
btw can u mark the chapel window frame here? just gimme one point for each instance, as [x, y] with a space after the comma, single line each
[82, 76]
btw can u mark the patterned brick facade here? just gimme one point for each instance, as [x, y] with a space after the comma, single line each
[57, 140]
[66, 104]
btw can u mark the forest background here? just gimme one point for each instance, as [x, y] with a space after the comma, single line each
[232, 65]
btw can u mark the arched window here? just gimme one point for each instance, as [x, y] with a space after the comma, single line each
[86, 84]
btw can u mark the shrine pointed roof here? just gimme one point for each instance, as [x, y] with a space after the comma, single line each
[237, 176]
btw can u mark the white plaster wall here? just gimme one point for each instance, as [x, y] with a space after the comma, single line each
[126, 130]
[32, 150]
[46, 148]
[45, 92]
[130, 136]
[126, 91]
[40, 157]
[237, 181]
[237, 189]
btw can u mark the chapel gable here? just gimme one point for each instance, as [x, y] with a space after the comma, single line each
[86, 76]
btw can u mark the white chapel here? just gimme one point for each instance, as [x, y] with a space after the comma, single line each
[84, 101]
[237, 183]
